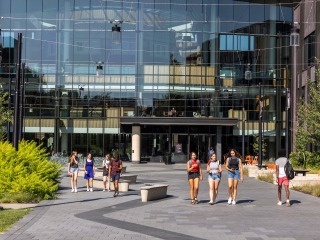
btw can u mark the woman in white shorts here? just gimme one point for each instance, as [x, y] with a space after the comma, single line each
[214, 169]
[105, 167]
[73, 169]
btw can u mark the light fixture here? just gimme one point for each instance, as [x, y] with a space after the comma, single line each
[99, 70]
[81, 89]
[248, 73]
[116, 31]
[294, 36]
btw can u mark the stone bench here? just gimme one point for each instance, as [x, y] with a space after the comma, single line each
[153, 192]
[123, 184]
[131, 178]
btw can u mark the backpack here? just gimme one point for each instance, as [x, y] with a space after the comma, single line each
[288, 169]
[190, 162]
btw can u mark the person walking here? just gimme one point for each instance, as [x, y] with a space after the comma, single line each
[235, 173]
[194, 176]
[105, 167]
[73, 170]
[89, 172]
[115, 168]
[214, 169]
[281, 178]
[210, 151]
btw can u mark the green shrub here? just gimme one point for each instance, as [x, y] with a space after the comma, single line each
[28, 170]
[305, 160]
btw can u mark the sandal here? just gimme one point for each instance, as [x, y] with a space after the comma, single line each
[196, 200]
[192, 202]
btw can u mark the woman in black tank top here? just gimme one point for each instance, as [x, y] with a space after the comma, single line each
[235, 173]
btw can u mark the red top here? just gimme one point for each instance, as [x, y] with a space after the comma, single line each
[195, 165]
[115, 166]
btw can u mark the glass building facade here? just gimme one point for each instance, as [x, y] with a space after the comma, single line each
[187, 55]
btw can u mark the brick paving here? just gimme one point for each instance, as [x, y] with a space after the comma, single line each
[98, 215]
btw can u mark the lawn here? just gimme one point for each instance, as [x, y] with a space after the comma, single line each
[10, 216]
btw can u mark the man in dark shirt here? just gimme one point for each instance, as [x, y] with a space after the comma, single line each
[115, 168]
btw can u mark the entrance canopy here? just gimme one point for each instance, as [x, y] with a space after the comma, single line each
[196, 121]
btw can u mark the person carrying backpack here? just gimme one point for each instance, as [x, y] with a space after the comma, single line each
[194, 176]
[115, 168]
[235, 173]
[281, 177]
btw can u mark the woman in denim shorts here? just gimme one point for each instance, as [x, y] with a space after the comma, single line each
[194, 176]
[235, 173]
[214, 169]
[73, 169]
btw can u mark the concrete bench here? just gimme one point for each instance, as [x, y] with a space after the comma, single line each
[123, 185]
[304, 172]
[153, 192]
[131, 178]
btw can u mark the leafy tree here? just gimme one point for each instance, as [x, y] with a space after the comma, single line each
[5, 114]
[308, 124]
[255, 146]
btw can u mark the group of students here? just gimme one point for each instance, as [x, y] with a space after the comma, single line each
[235, 174]
[233, 165]
[111, 171]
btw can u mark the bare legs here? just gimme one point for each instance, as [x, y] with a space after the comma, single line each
[213, 189]
[194, 188]
[287, 192]
[116, 187]
[106, 182]
[74, 181]
[232, 188]
[89, 184]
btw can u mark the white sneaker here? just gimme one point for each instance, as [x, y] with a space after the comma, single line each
[108, 190]
[233, 202]
[211, 202]
[229, 201]
[279, 203]
[72, 190]
[75, 190]
[104, 190]
[87, 189]
[91, 190]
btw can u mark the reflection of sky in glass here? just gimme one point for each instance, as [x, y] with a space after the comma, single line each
[7, 39]
[236, 43]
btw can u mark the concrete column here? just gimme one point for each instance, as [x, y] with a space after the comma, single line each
[135, 143]
[218, 143]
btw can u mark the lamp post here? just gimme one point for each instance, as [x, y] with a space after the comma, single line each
[16, 127]
[248, 77]
[294, 42]
[260, 128]
[287, 112]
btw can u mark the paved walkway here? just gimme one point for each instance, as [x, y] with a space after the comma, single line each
[98, 215]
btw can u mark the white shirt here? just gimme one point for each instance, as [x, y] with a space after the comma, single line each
[281, 162]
